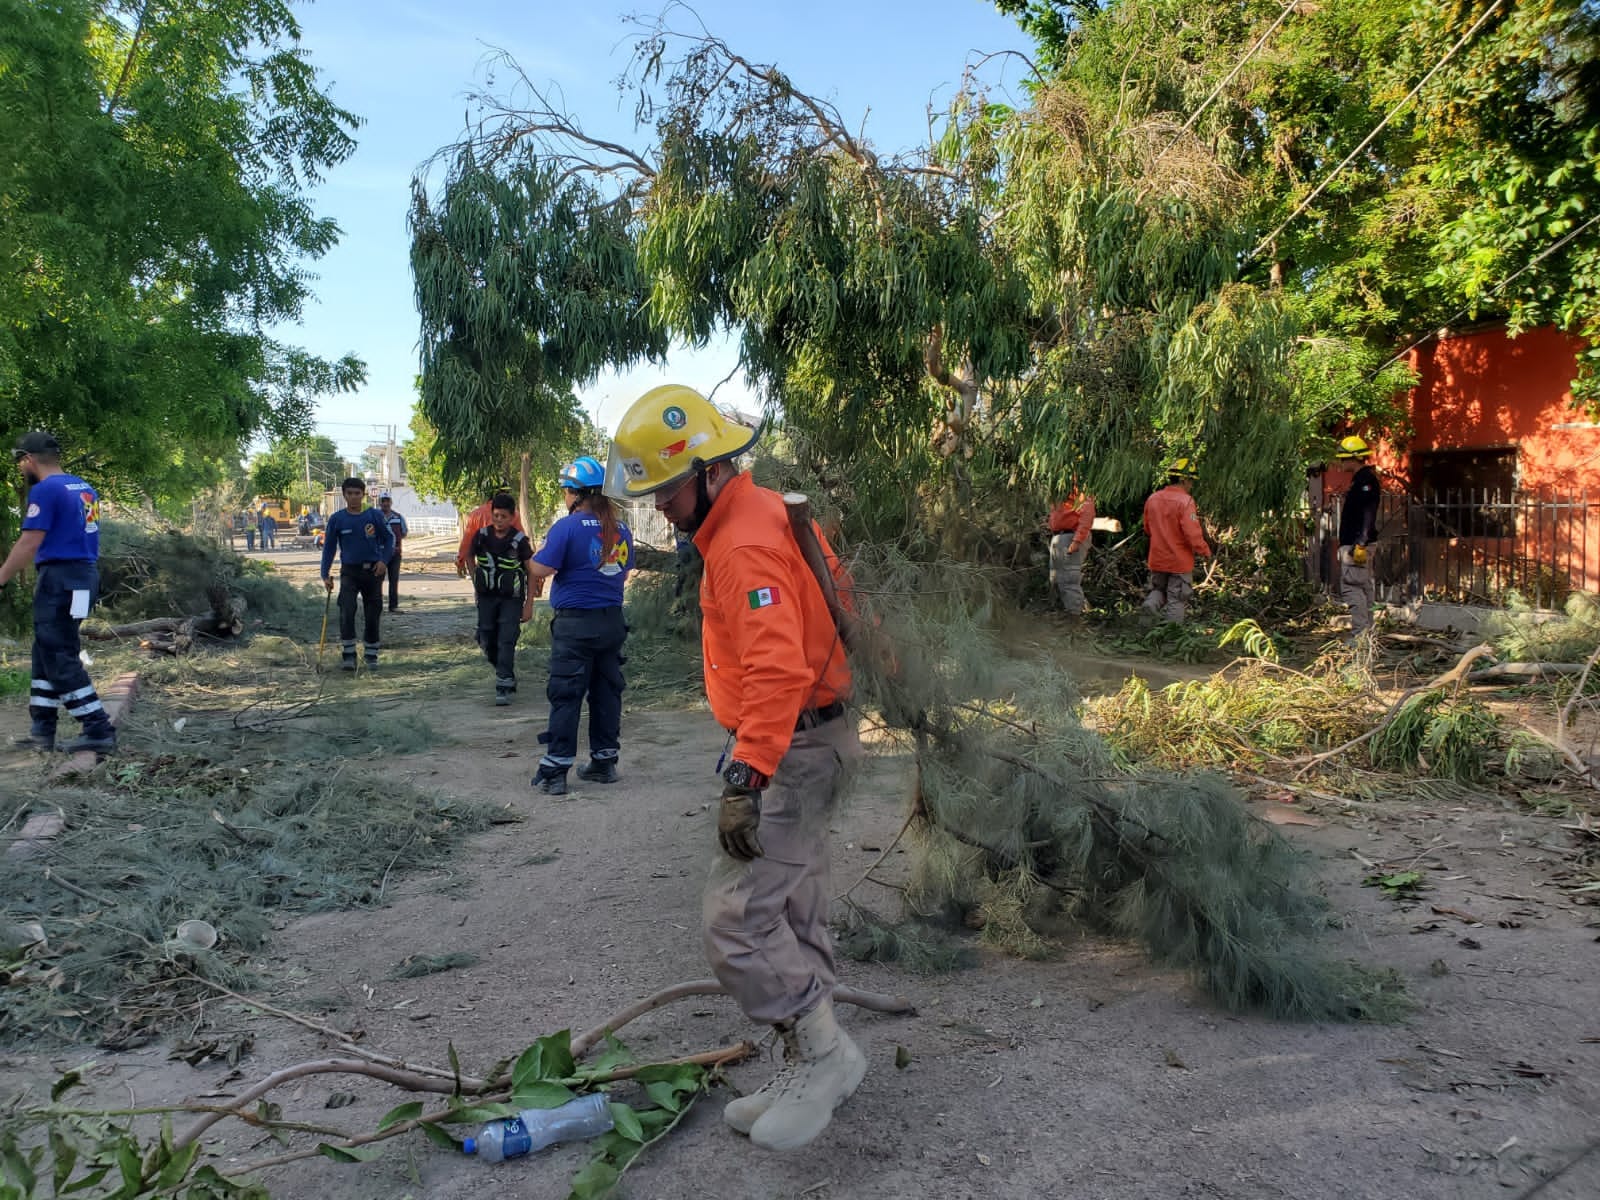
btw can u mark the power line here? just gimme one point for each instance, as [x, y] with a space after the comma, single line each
[1366, 141]
[1227, 79]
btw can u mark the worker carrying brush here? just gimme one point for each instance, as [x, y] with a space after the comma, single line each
[1358, 526]
[777, 679]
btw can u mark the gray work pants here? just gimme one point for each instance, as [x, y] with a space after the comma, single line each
[1356, 590]
[1066, 571]
[766, 922]
[1169, 594]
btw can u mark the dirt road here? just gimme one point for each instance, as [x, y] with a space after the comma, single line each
[1092, 1076]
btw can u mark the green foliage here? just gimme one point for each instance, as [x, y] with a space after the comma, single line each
[284, 467]
[154, 572]
[13, 682]
[1396, 885]
[1245, 715]
[913, 945]
[1025, 822]
[1440, 736]
[1521, 634]
[154, 187]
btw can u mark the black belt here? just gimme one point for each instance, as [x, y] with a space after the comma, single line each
[567, 612]
[810, 718]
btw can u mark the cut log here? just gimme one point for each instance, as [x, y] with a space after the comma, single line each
[104, 633]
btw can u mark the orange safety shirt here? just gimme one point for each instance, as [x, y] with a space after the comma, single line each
[1174, 528]
[1075, 514]
[770, 646]
[476, 520]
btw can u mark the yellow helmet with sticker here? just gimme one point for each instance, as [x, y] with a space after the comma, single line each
[1353, 447]
[669, 431]
[1183, 468]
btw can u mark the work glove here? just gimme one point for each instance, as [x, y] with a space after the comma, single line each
[1358, 555]
[739, 814]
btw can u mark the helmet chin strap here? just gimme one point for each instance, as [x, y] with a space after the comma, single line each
[702, 499]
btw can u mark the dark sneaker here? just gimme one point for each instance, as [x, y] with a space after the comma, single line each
[100, 743]
[35, 741]
[371, 662]
[501, 697]
[552, 781]
[349, 663]
[599, 770]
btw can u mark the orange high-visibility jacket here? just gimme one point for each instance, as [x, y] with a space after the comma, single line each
[1174, 528]
[476, 520]
[769, 643]
[1074, 515]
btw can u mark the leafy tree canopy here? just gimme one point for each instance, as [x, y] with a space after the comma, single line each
[154, 227]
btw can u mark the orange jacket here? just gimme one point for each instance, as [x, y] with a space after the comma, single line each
[1074, 515]
[476, 520]
[1174, 528]
[768, 640]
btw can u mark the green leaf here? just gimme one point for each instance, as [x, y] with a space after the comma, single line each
[655, 1120]
[177, 1166]
[402, 1112]
[17, 1166]
[541, 1094]
[65, 1084]
[616, 1055]
[87, 1182]
[595, 1180]
[455, 1066]
[557, 1060]
[472, 1113]
[128, 1164]
[665, 1095]
[349, 1154]
[439, 1137]
[65, 1155]
[626, 1122]
[685, 1077]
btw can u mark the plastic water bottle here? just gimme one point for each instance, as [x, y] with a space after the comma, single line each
[535, 1128]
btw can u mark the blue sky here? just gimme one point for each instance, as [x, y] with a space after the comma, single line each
[408, 68]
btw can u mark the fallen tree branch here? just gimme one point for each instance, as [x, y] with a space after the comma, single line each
[1453, 678]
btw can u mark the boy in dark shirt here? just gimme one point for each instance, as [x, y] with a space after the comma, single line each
[502, 579]
[364, 543]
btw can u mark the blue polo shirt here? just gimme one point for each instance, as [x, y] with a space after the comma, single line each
[585, 576]
[68, 510]
[361, 537]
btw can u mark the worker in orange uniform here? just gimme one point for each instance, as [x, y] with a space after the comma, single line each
[777, 680]
[1071, 522]
[1173, 527]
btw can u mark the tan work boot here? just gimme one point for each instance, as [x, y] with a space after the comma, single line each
[743, 1113]
[828, 1067]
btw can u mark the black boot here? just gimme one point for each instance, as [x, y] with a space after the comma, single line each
[550, 780]
[102, 739]
[599, 770]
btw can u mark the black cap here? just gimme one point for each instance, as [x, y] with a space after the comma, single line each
[37, 442]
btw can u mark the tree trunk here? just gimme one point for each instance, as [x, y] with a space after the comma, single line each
[522, 491]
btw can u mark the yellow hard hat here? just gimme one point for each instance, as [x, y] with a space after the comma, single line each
[1353, 447]
[1183, 467]
[669, 431]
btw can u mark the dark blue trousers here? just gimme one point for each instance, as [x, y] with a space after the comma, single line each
[499, 626]
[585, 661]
[59, 679]
[357, 582]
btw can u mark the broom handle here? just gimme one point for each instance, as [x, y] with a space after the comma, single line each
[798, 506]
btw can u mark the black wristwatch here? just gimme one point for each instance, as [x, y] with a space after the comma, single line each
[742, 777]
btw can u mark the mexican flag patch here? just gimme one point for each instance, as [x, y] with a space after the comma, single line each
[764, 597]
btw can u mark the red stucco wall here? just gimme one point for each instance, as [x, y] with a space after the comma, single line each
[1489, 390]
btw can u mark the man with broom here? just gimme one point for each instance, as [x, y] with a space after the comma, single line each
[777, 680]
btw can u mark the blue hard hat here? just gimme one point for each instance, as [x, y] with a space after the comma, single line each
[585, 472]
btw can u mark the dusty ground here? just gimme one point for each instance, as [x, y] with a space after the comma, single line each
[1090, 1076]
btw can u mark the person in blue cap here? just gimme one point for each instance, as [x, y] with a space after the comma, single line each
[589, 552]
[61, 537]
